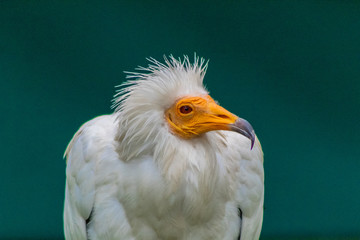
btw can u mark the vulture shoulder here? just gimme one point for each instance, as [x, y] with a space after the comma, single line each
[247, 170]
[82, 157]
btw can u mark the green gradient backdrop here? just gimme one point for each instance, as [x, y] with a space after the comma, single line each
[292, 68]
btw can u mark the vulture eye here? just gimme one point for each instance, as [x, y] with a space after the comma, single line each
[186, 109]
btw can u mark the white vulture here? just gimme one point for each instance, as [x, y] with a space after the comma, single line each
[169, 163]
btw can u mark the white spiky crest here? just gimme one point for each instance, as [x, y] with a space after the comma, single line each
[173, 76]
[142, 100]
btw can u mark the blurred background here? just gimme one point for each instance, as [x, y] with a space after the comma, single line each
[292, 68]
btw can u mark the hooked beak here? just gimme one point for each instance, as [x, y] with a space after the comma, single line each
[244, 128]
[218, 118]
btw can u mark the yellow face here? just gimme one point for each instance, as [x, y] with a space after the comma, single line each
[192, 116]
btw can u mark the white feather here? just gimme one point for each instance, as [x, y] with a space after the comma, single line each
[139, 181]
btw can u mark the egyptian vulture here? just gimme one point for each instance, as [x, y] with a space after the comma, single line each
[169, 163]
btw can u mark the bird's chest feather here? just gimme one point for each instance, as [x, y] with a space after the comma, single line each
[180, 190]
[176, 192]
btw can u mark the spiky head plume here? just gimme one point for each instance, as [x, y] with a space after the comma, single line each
[142, 100]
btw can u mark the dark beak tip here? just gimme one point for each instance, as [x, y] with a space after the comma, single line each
[244, 128]
[252, 139]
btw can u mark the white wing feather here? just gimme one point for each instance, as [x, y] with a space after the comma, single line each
[82, 155]
[246, 166]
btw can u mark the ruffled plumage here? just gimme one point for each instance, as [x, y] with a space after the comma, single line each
[129, 177]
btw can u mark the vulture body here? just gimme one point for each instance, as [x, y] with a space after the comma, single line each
[169, 163]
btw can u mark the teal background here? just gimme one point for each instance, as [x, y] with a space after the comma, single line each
[292, 68]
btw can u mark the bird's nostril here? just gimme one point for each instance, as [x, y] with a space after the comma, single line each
[222, 116]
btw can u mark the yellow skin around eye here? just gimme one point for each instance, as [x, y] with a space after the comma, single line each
[205, 116]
